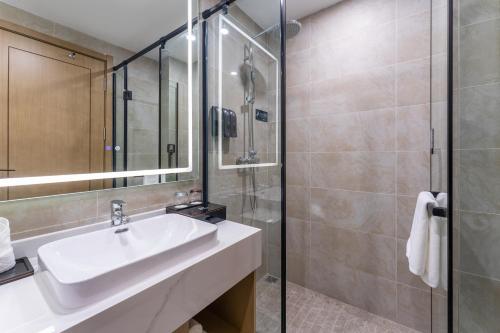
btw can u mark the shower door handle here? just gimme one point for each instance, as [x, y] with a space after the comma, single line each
[437, 211]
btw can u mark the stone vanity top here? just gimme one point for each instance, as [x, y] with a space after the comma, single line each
[179, 291]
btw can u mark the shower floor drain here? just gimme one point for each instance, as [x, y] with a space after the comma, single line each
[271, 279]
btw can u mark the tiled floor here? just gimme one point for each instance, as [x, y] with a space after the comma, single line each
[309, 311]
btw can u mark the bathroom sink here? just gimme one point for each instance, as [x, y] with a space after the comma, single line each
[84, 268]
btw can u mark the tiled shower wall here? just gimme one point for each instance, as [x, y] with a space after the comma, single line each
[358, 112]
[477, 177]
[41, 215]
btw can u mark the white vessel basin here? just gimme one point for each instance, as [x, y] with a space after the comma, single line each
[82, 269]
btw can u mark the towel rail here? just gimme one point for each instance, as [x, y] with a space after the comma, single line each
[434, 210]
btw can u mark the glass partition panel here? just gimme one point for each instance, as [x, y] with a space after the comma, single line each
[439, 151]
[476, 178]
[244, 129]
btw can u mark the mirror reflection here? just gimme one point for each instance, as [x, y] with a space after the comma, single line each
[94, 91]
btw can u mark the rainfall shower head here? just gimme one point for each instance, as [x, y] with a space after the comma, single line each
[292, 28]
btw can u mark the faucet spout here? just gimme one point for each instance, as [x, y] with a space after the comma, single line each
[117, 216]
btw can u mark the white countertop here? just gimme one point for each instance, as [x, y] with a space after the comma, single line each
[25, 308]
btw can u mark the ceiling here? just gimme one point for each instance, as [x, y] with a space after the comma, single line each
[266, 13]
[134, 24]
[130, 24]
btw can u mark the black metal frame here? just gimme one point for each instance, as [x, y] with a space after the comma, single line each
[206, 137]
[125, 125]
[283, 161]
[177, 129]
[160, 69]
[154, 45]
[450, 166]
[113, 144]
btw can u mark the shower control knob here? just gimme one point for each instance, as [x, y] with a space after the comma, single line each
[117, 148]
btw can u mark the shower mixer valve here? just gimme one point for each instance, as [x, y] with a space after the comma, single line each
[251, 159]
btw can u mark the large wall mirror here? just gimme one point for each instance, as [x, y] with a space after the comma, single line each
[95, 99]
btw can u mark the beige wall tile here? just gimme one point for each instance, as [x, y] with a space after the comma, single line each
[479, 117]
[475, 11]
[326, 60]
[479, 248]
[480, 67]
[368, 48]
[359, 131]
[296, 268]
[439, 28]
[374, 294]
[298, 68]
[413, 82]
[414, 37]
[479, 181]
[298, 169]
[405, 211]
[342, 19]
[141, 198]
[357, 171]
[413, 172]
[37, 214]
[297, 202]
[298, 101]
[412, 7]
[297, 132]
[413, 128]
[363, 211]
[479, 304]
[414, 308]
[439, 314]
[369, 253]
[374, 89]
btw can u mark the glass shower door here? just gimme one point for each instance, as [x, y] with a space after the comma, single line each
[244, 164]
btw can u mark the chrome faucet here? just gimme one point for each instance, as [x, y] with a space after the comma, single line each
[117, 216]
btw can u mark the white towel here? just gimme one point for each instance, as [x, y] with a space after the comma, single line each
[195, 327]
[432, 271]
[418, 244]
[7, 259]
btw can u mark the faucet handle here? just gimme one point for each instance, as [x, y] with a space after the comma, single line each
[117, 216]
[117, 203]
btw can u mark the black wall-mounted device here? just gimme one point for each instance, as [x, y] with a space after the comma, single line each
[261, 115]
